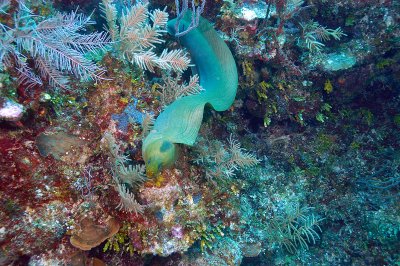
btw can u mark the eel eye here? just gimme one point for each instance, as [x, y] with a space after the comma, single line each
[166, 145]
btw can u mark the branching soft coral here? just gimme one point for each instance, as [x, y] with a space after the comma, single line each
[126, 177]
[173, 88]
[296, 228]
[137, 32]
[314, 34]
[221, 162]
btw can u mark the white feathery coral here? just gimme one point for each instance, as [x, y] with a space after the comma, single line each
[173, 88]
[240, 157]
[140, 31]
[134, 175]
[148, 123]
[128, 202]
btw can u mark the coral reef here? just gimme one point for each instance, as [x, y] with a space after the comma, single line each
[296, 165]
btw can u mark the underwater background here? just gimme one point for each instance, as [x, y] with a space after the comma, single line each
[226, 132]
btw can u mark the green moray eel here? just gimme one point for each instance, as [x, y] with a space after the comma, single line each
[180, 122]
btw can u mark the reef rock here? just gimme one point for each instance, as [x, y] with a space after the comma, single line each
[10, 110]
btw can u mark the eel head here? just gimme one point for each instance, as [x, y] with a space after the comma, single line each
[158, 155]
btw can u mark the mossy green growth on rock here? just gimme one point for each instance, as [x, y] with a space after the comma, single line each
[181, 121]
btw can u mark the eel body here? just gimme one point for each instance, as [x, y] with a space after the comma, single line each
[180, 121]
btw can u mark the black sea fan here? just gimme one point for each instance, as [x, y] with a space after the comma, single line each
[56, 45]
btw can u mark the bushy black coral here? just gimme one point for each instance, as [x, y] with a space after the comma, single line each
[55, 44]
